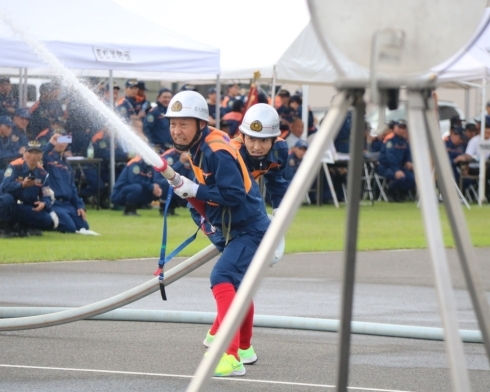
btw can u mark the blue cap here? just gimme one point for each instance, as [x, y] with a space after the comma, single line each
[164, 90]
[301, 144]
[188, 87]
[5, 120]
[458, 130]
[212, 90]
[141, 85]
[34, 145]
[23, 112]
[131, 83]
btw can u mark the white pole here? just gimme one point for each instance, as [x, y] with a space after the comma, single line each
[481, 182]
[20, 89]
[24, 89]
[467, 103]
[113, 144]
[304, 113]
[218, 101]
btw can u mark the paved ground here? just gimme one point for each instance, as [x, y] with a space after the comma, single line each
[393, 287]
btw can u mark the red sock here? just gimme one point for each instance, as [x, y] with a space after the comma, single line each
[215, 326]
[224, 294]
[246, 329]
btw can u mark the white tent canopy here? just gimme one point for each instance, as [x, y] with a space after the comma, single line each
[99, 35]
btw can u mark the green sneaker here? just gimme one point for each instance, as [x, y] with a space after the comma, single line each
[209, 339]
[248, 356]
[228, 366]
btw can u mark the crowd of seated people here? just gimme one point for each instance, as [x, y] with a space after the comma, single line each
[61, 110]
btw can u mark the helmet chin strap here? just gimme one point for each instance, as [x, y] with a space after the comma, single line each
[185, 147]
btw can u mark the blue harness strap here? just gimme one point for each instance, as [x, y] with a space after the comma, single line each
[164, 260]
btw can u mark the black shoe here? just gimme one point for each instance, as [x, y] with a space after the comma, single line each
[34, 233]
[130, 210]
[5, 233]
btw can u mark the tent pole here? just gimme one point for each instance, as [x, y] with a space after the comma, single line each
[467, 103]
[273, 92]
[24, 86]
[304, 112]
[481, 182]
[20, 89]
[113, 154]
[218, 102]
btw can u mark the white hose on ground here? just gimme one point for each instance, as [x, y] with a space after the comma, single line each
[87, 311]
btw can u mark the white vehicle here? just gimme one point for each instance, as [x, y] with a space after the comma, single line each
[446, 109]
[33, 85]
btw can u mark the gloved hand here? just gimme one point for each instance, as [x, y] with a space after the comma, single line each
[186, 189]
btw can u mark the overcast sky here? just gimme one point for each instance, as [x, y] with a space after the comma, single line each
[263, 29]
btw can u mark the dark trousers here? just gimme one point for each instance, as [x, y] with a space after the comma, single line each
[68, 216]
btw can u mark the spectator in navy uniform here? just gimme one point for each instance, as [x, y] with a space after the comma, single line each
[232, 92]
[179, 161]
[67, 205]
[126, 106]
[286, 112]
[234, 117]
[455, 146]
[342, 139]
[135, 187]
[102, 149]
[21, 121]
[155, 126]
[25, 201]
[57, 125]
[8, 104]
[142, 105]
[295, 158]
[395, 163]
[44, 111]
[11, 145]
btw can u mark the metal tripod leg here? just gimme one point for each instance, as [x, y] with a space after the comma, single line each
[459, 228]
[435, 241]
[354, 195]
[292, 200]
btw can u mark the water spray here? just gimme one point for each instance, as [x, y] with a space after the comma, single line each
[115, 123]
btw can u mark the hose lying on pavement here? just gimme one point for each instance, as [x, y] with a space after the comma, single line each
[69, 315]
[310, 324]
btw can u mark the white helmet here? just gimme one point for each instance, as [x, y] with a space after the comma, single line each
[188, 104]
[261, 121]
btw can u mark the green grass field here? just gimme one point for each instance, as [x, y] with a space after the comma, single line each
[314, 229]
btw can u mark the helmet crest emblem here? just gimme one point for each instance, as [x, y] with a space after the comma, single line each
[176, 106]
[256, 126]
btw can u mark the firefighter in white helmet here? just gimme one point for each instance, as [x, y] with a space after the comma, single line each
[232, 205]
[265, 154]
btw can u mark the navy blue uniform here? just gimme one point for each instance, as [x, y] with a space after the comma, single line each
[11, 192]
[135, 184]
[286, 113]
[157, 128]
[8, 105]
[342, 140]
[233, 204]
[453, 151]
[42, 113]
[293, 163]
[9, 150]
[394, 154]
[62, 183]
[126, 107]
[272, 167]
